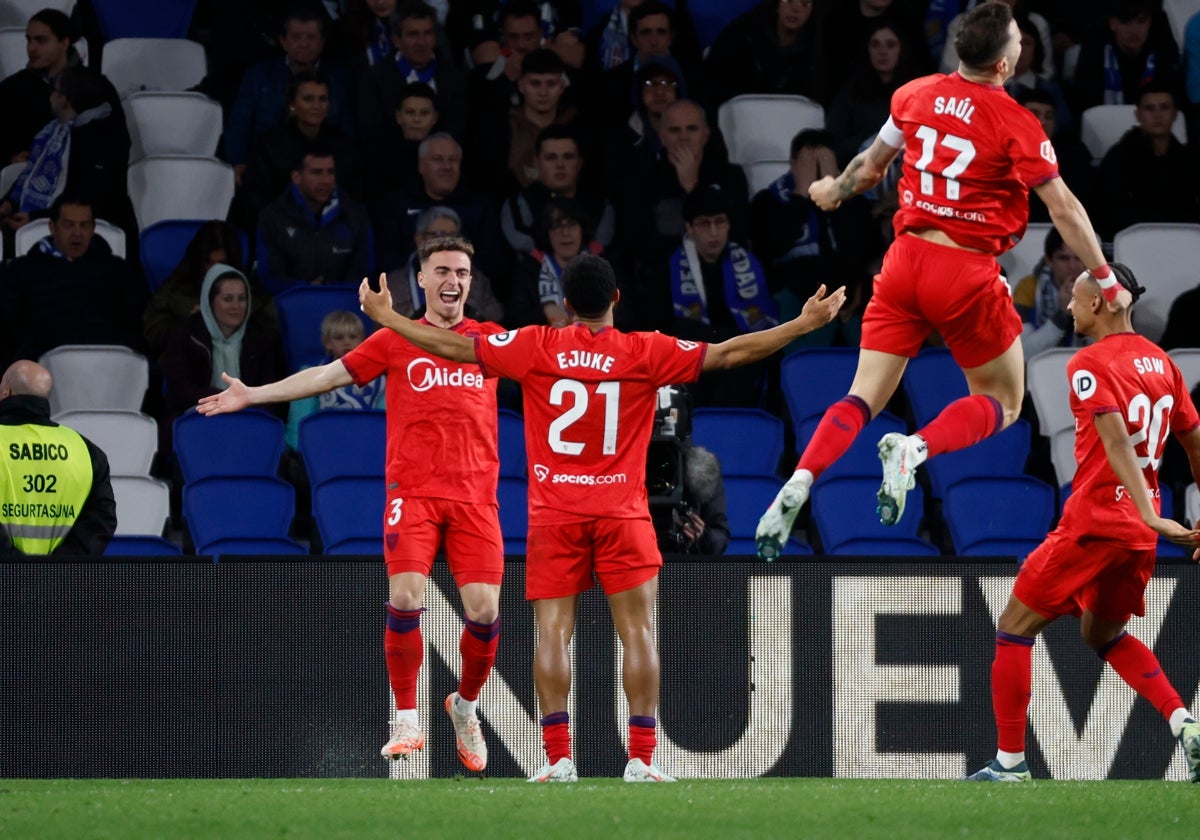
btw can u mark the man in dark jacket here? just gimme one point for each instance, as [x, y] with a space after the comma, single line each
[61, 505]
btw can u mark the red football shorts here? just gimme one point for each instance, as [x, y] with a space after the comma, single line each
[924, 287]
[1067, 574]
[560, 559]
[415, 528]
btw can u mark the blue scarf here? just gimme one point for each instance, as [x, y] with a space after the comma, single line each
[550, 282]
[614, 40]
[412, 74]
[329, 212]
[46, 246]
[1114, 86]
[381, 46]
[746, 292]
[46, 175]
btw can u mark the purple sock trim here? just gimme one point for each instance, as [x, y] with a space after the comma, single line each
[403, 621]
[860, 404]
[1014, 639]
[1103, 652]
[483, 632]
[644, 721]
[556, 718]
[999, 409]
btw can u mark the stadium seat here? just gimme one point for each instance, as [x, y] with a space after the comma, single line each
[179, 187]
[747, 441]
[1046, 379]
[141, 545]
[349, 514]
[1062, 455]
[1166, 548]
[815, 378]
[246, 443]
[343, 444]
[10, 173]
[137, 64]
[95, 376]
[162, 246]
[13, 59]
[14, 13]
[861, 460]
[143, 505]
[512, 444]
[513, 495]
[1167, 259]
[760, 174]
[1101, 126]
[242, 515]
[1018, 262]
[1187, 359]
[931, 382]
[300, 310]
[1191, 505]
[1001, 454]
[172, 123]
[760, 126]
[709, 17]
[33, 232]
[144, 18]
[1179, 12]
[998, 516]
[128, 438]
[746, 498]
[844, 512]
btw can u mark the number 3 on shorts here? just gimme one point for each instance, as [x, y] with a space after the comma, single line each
[394, 514]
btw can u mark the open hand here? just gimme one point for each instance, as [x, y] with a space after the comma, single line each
[822, 308]
[1176, 533]
[375, 305]
[234, 398]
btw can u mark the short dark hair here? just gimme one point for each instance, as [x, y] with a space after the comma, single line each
[418, 90]
[303, 13]
[1157, 87]
[305, 77]
[542, 60]
[1127, 10]
[588, 284]
[411, 10]
[57, 22]
[445, 243]
[83, 87]
[74, 199]
[810, 138]
[647, 9]
[560, 207]
[519, 9]
[1054, 241]
[555, 131]
[983, 35]
[313, 148]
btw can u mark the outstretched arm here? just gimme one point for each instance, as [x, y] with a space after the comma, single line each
[1071, 220]
[306, 383]
[445, 343]
[747, 348]
[865, 171]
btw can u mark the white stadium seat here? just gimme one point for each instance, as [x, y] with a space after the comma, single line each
[1179, 12]
[1103, 125]
[9, 175]
[172, 123]
[1046, 378]
[1062, 455]
[761, 173]
[143, 504]
[165, 187]
[92, 376]
[1166, 260]
[128, 438]
[18, 12]
[760, 126]
[1018, 262]
[30, 234]
[1191, 505]
[135, 64]
[12, 50]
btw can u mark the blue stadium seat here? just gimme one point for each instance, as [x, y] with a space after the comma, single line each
[746, 498]
[349, 514]
[844, 512]
[512, 444]
[144, 18]
[513, 495]
[300, 311]
[815, 378]
[248, 442]
[998, 455]
[998, 516]
[862, 458]
[747, 441]
[931, 382]
[140, 545]
[343, 444]
[163, 244]
[244, 514]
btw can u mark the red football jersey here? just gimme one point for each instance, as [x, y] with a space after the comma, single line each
[589, 412]
[1129, 374]
[971, 155]
[441, 417]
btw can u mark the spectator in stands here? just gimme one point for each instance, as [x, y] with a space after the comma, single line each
[1030, 23]
[657, 85]
[652, 34]
[219, 338]
[559, 161]
[369, 31]
[25, 95]
[1026, 77]
[492, 85]
[802, 246]
[311, 233]
[439, 181]
[848, 26]
[1191, 65]
[69, 289]
[1181, 322]
[479, 28]
[262, 99]
[864, 103]
[1136, 49]
[1074, 159]
[1042, 297]
[417, 60]
[84, 151]
[408, 295]
[776, 47]
[179, 296]
[269, 169]
[1149, 176]
[608, 44]
[341, 332]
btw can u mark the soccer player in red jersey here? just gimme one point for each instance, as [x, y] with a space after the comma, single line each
[971, 155]
[590, 395]
[442, 414]
[1126, 395]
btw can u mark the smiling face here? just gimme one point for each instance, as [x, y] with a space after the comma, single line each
[310, 105]
[229, 301]
[446, 279]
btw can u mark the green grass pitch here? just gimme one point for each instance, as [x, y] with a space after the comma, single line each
[473, 809]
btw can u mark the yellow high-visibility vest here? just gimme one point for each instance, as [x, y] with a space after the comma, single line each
[45, 477]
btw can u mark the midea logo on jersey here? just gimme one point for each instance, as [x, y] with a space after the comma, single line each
[1083, 383]
[500, 339]
[424, 374]
[541, 472]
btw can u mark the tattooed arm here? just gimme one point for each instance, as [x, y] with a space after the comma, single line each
[865, 171]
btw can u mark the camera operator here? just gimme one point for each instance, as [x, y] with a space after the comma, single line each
[687, 494]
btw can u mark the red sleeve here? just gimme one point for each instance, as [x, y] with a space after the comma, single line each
[1031, 152]
[507, 354]
[674, 360]
[1089, 385]
[369, 360]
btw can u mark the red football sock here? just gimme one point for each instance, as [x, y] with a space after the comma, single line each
[964, 422]
[556, 736]
[642, 738]
[478, 648]
[1012, 683]
[1139, 667]
[837, 430]
[404, 650]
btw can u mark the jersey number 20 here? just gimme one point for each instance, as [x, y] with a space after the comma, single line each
[1154, 427]
[929, 138]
